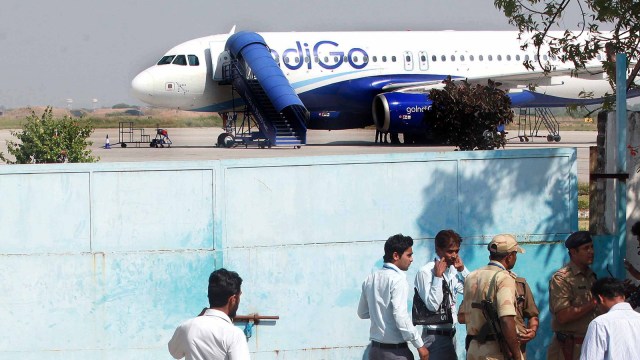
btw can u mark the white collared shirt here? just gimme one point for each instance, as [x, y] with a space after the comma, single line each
[384, 301]
[430, 289]
[614, 335]
[211, 336]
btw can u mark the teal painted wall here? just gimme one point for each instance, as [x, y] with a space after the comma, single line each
[103, 261]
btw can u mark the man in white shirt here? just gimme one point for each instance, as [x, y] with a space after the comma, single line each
[212, 335]
[614, 335]
[384, 301]
[449, 269]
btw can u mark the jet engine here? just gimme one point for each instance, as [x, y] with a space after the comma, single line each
[401, 112]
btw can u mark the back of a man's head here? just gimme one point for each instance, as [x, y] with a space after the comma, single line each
[397, 243]
[222, 285]
[608, 287]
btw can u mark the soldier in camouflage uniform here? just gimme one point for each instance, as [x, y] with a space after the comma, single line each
[571, 304]
[527, 314]
[496, 283]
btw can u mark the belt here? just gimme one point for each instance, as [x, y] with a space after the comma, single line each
[449, 332]
[389, 346]
[562, 337]
[486, 338]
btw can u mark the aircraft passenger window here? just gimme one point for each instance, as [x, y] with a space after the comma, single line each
[326, 59]
[315, 58]
[384, 59]
[517, 57]
[423, 58]
[335, 59]
[443, 58]
[167, 59]
[433, 58]
[180, 60]
[355, 59]
[471, 57]
[490, 57]
[480, 57]
[453, 58]
[499, 57]
[375, 58]
[393, 58]
[553, 57]
[345, 59]
[286, 59]
[526, 57]
[193, 60]
[365, 59]
[536, 57]
[461, 57]
[306, 59]
[545, 57]
[508, 57]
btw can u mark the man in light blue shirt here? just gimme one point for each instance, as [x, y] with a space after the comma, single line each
[384, 301]
[447, 267]
[614, 335]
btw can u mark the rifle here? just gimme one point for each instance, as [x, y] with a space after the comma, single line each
[492, 326]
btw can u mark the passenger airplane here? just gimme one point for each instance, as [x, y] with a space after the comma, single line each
[354, 79]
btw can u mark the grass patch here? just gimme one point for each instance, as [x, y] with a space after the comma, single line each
[112, 122]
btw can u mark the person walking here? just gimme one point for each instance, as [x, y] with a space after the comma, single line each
[439, 283]
[613, 335]
[384, 302]
[212, 336]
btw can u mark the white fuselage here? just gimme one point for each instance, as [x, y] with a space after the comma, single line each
[393, 61]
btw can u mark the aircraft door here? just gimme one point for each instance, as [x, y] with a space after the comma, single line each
[408, 60]
[218, 56]
[423, 59]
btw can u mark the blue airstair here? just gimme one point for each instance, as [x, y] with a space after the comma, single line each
[272, 103]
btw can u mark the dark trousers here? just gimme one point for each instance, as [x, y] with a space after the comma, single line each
[376, 353]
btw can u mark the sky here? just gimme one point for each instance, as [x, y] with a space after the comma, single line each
[87, 50]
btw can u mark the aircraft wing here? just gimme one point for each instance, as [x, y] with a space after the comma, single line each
[508, 81]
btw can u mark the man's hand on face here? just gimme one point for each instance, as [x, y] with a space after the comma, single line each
[439, 267]
[458, 264]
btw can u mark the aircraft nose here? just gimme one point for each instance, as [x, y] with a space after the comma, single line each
[142, 86]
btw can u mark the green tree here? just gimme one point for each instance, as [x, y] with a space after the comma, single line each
[46, 139]
[467, 116]
[585, 42]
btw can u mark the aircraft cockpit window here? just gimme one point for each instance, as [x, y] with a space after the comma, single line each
[167, 59]
[180, 60]
[193, 60]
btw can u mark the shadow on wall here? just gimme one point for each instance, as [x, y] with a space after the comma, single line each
[534, 199]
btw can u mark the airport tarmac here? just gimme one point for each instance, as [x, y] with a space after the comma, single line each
[199, 144]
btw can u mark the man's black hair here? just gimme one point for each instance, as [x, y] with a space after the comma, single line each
[396, 243]
[608, 287]
[222, 285]
[635, 229]
[445, 238]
